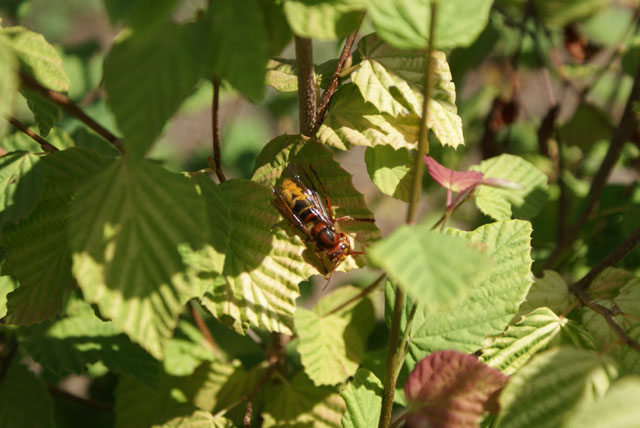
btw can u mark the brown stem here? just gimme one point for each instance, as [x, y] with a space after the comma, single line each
[215, 128]
[333, 84]
[46, 146]
[202, 326]
[63, 101]
[306, 86]
[621, 136]
[273, 363]
[363, 293]
[99, 405]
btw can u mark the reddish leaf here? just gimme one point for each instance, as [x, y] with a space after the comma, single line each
[451, 389]
[456, 181]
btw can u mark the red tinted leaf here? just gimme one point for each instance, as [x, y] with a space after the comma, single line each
[451, 389]
[456, 181]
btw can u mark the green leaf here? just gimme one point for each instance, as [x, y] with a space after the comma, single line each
[21, 181]
[45, 112]
[19, 141]
[588, 126]
[322, 19]
[139, 13]
[186, 350]
[433, 268]
[199, 419]
[549, 291]
[558, 13]
[499, 203]
[405, 23]
[36, 248]
[332, 346]
[282, 75]
[393, 81]
[617, 409]
[493, 300]
[37, 57]
[8, 80]
[301, 404]
[144, 97]
[559, 382]
[521, 341]
[129, 226]
[363, 397]
[71, 343]
[350, 121]
[239, 55]
[277, 26]
[7, 285]
[25, 399]
[391, 170]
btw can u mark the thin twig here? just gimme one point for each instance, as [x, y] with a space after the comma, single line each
[99, 405]
[215, 129]
[333, 84]
[63, 101]
[306, 86]
[363, 293]
[202, 326]
[46, 146]
[273, 363]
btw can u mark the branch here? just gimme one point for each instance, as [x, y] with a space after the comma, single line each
[99, 405]
[215, 129]
[46, 146]
[273, 362]
[63, 101]
[306, 86]
[202, 326]
[363, 293]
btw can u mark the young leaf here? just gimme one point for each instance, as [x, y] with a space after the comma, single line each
[8, 80]
[363, 397]
[301, 404]
[239, 55]
[391, 170]
[451, 388]
[25, 399]
[21, 181]
[144, 97]
[127, 226]
[405, 23]
[549, 291]
[322, 19]
[36, 249]
[559, 382]
[499, 203]
[332, 346]
[456, 181]
[433, 268]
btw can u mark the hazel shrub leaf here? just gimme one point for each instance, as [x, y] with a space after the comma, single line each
[25, 399]
[610, 282]
[391, 170]
[131, 206]
[393, 80]
[451, 386]
[37, 254]
[322, 19]
[363, 398]
[433, 268]
[7, 285]
[21, 181]
[186, 350]
[331, 347]
[557, 14]
[144, 97]
[550, 291]
[9, 83]
[301, 404]
[456, 181]
[45, 112]
[138, 14]
[405, 23]
[282, 75]
[501, 204]
[560, 382]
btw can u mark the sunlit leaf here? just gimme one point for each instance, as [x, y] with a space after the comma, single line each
[282, 75]
[186, 350]
[391, 170]
[25, 399]
[46, 113]
[7, 285]
[456, 181]
[322, 19]
[363, 397]
[21, 181]
[550, 291]
[8, 80]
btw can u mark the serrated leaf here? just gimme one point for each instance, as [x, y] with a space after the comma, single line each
[434, 269]
[186, 350]
[331, 347]
[352, 122]
[499, 203]
[322, 19]
[521, 341]
[451, 386]
[393, 80]
[71, 343]
[610, 282]
[363, 398]
[560, 382]
[127, 226]
[549, 291]
[391, 170]
[37, 57]
[493, 300]
[144, 97]
[282, 75]
[25, 399]
[405, 23]
[628, 300]
[7, 285]
[199, 419]
[45, 112]
[301, 404]
[8, 80]
[238, 55]
[139, 13]
[36, 248]
[617, 409]
[19, 141]
[21, 181]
